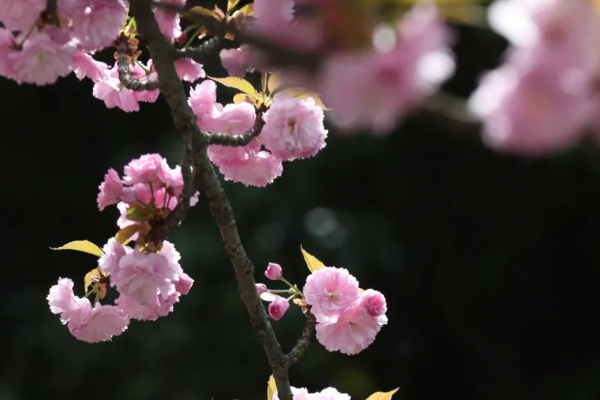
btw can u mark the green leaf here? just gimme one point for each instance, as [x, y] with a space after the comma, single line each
[136, 213]
[237, 83]
[382, 395]
[126, 233]
[312, 262]
[231, 5]
[271, 388]
[81, 245]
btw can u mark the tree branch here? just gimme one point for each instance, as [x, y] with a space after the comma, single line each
[304, 340]
[277, 52]
[200, 52]
[225, 139]
[206, 179]
[125, 75]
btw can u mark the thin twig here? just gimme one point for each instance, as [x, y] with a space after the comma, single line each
[206, 180]
[125, 77]
[304, 340]
[200, 52]
[236, 140]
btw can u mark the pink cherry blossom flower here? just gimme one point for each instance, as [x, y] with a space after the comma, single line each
[349, 332]
[42, 60]
[532, 109]
[258, 169]
[103, 323]
[170, 177]
[168, 21]
[110, 189]
[238, 61]
[330, 290]
[160, 307]
[20, 15]
[85, 323]
[261, 288]
[539, 101]
[552, 28]
[113, 252]
[189, 70]
[143, 276]
[62, 301]
[96, 23]
[373, 302]
[203, 98]
[273, 271]
[293, 128]
[84, 65]
[278, 307]
[374, 89]
[143, 170]
[234, 119]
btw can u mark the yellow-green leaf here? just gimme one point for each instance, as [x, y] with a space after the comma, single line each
[271, 388]
[312, 262]
[382, 395]
[247, 10]
[231, 5]
[274, 82]
[229, 35]
[87, 280]
[126, 233]
[241, 97]
[81, 245]
[237, 83]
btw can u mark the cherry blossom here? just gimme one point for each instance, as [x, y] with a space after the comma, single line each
[293, 128]
[330, 290]
[20, 15]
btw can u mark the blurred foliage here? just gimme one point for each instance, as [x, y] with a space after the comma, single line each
[490, 263]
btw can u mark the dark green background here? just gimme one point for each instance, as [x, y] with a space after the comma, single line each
[490, 263]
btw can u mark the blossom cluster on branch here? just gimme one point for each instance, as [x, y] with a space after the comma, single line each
[348, 318]
[315, 59]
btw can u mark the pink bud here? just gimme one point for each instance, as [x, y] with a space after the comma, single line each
[278, 307]
[273, 271]
[261, 288]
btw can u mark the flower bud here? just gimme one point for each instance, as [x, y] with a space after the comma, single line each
[278, 307]
[273, 271]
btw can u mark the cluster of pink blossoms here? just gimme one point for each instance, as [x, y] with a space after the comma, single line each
[148, 277]
[38, 48]
[325, 394]
[545, 96]
[149, 285]
[149, 188]
[348, 318]
[293, 130]
[366, 88]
